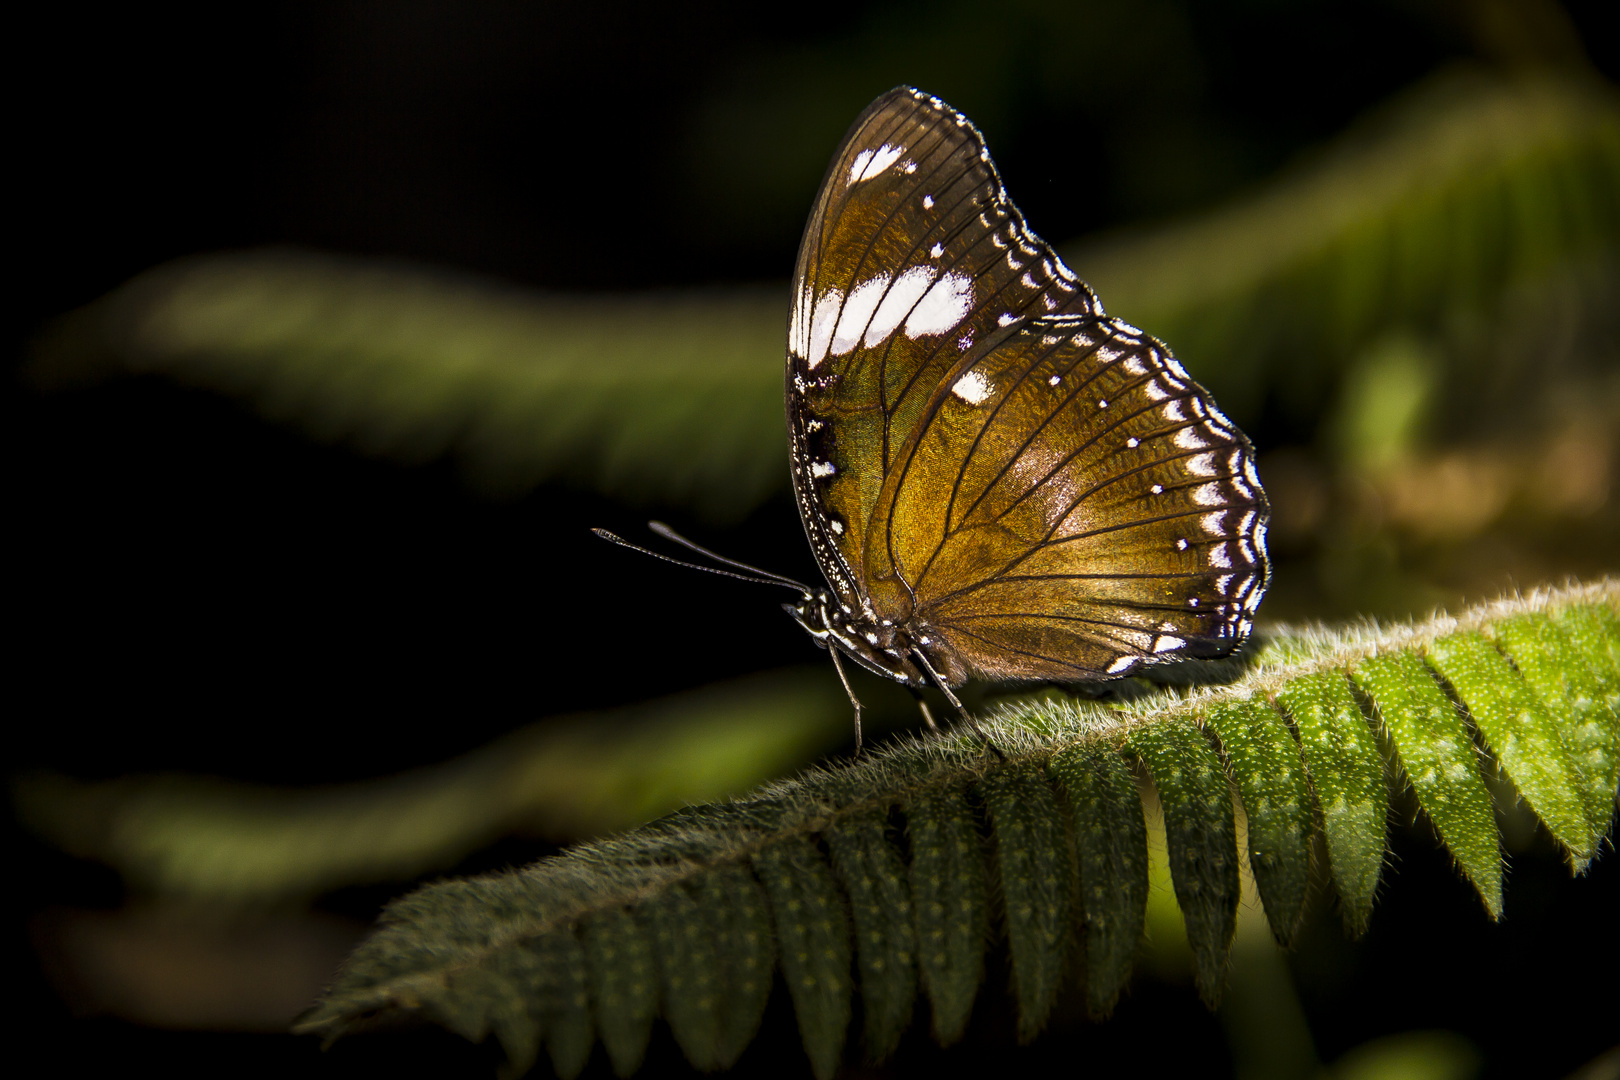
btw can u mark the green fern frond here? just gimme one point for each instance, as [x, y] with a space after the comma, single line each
[241, 845]
[892, 874]
[414, 365]
[1464, 188]
[1469, 189]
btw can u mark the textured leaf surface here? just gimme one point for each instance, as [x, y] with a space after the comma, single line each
[1545, 657]
[1111, 842]
[1270, 773]
[1593, 631]
[1037, 885]
[623, 985]
[814, 935]
[1432, 745]
[1521, 730]
[948, 886]
[1348, 776]
[691, 916]
[1202, 837]
[874, 876]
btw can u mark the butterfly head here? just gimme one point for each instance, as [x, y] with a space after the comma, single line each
[880, 645]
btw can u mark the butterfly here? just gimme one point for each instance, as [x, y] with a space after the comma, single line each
[997, 479]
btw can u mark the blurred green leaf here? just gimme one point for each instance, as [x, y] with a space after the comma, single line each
[414, 365]
[1426, 217]
[238, 844]
[1428, 213]
[1413, 1055]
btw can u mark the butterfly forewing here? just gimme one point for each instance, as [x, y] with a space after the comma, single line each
[979, 453]
[912, 256]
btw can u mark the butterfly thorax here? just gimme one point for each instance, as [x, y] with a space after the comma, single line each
[881, 645]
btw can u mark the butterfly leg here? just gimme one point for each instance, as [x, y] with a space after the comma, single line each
[928, 717]
[838, 666]
[967, 717]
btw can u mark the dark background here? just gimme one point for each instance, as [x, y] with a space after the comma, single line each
[195, 590]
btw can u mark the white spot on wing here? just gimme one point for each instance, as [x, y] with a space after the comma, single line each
[1207, 495]
[821, 326]
[937, 250]
[972, 388]
[858, 309]
[1122, 665]
[942, 307]
[870, 163]
[1201, 465]
[928, 202]
[822, 468]
[903, 295]
[1167, 643]
[1188, 439]
[836, 526]
[799, 325]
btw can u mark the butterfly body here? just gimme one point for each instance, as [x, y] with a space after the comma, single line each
[879, 645]
[997, 479]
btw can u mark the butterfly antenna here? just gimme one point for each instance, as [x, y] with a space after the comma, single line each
[765, 578]
[670, 534]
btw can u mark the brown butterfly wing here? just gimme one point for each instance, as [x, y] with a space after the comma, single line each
[912, 256]
[1073, 504]
[979, 454]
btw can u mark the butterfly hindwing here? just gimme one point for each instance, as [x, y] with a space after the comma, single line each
[1073, 503]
